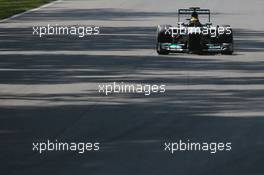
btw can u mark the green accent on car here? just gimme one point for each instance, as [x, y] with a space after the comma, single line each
[212, 46]
[175, 46]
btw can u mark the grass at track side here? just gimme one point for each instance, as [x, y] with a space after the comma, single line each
[12, 7]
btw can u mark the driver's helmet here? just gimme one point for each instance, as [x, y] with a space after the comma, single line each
[194, 17]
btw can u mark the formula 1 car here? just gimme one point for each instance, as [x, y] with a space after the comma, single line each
[194, 37]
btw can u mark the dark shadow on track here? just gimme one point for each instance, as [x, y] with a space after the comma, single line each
[58, 69]
[132, 131]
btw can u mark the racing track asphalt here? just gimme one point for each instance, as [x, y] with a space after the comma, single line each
[48, 90]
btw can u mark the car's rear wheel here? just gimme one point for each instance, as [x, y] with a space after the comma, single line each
[163, 36]
[227, 40]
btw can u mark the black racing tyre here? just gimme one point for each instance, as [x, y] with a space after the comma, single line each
[163, 36]
[161, 51]
[227, 38]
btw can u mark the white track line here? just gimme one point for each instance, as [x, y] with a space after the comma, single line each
[29, 11]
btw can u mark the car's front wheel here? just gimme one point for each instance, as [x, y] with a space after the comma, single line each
[160, 50]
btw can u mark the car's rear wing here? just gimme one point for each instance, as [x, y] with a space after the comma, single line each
[189, 11]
